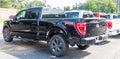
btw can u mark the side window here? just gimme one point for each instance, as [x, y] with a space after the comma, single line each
[115, 16]
[33, 14]
[103, 16]
[73, 14]
[21, 15]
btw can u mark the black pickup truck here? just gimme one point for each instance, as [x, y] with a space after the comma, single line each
[40, 23]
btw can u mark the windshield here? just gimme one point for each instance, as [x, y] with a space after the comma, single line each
[72, 14]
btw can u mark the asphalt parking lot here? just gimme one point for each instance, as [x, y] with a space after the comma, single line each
[24, 49]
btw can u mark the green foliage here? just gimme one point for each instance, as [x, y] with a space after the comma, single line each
[67, 8]
[5, 3]
[20, 4]
[107, 6]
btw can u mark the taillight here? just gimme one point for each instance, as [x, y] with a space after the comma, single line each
[109, 25]
[81, 28]
[98, 15]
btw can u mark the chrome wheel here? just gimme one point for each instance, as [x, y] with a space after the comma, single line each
[58, 46]
[6, 35]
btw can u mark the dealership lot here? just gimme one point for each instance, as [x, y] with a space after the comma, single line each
[60, 30]
[24, 49]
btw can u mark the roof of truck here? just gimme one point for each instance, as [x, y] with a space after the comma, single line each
[101, 13]
[52, 11]
[79, 11]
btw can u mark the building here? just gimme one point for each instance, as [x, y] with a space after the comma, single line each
[5, 12]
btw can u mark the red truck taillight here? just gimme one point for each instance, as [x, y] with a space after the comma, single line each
[81, 27]
[109, 25]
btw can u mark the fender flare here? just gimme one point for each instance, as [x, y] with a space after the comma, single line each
[56, 30]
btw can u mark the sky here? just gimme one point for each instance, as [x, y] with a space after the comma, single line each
[62, 3]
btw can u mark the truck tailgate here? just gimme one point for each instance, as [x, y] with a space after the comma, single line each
[95, 27]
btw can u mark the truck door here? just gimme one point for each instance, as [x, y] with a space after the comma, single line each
[25, 23]
[33, 16]
[18, 22]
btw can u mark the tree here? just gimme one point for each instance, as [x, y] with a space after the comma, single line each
[5, 4]
[107, 6]
[67, 8]
[20, 4]
[34, 3]
[75, 7]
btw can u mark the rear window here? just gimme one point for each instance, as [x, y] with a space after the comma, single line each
[72, 14]
[87, 15]
[53, 13]
[54, 16]
[115, 16]
[95, 15]
[103, 16]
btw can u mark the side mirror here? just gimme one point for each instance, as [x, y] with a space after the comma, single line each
[11, 17]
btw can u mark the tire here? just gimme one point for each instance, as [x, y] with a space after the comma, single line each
[83, 47]
[6, 35]
[58, 46]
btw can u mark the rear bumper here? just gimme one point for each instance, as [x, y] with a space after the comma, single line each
[93, 40]
[112, 32]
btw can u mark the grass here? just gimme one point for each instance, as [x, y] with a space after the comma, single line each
[2, 20]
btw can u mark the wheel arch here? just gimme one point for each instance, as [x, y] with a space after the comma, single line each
[5, 26]
[56, 30]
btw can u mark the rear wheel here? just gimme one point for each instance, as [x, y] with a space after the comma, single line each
[58, 46]
[83, 47]
[7, 36]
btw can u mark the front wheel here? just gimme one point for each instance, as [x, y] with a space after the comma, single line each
[7, 36]
[58, 46]
[83, 47]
